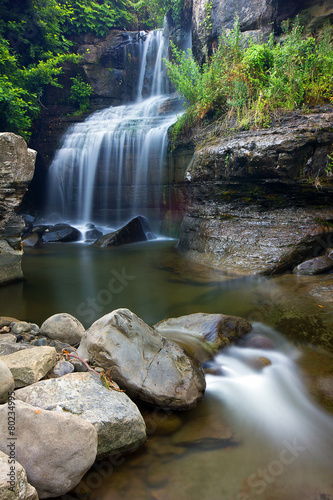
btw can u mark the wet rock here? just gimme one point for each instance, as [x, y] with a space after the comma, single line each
[20, 489]
[316, 265]
[218, 329]
[60, 369]
[135, 230]
[117, 420]
[30, 365]
[140, 360]
[61, 232]
[32, 240]
[20, 327]
[7, 337]
[93, 234]
[7, 383]
[63, 327]
[56, 452]
[259, 342]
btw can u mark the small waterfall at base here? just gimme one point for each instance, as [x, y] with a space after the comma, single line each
[110, 167]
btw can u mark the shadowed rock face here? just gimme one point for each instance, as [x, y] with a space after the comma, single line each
[17, 164]
[260, 202]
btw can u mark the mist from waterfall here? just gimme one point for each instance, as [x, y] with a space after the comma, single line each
[110, 167]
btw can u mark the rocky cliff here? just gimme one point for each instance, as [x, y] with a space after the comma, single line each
[260, 202]
[17, 164]
[257, 17]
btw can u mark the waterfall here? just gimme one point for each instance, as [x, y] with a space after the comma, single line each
[110, 167]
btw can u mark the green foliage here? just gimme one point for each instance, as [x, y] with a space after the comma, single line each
[80, 92]
[246, 80]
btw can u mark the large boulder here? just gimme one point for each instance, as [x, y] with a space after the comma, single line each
[30, 365]
[17, 165]
[317, 265]
[140, 360]
[56, 449]
[61, 232]
[63, 327]
[117, 420]
[217, 329]
[7, 384]
[13, 481]
[135, 230]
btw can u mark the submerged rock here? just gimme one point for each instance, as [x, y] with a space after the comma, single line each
[135, 230]
[55, 448]
[317, 265]
[140, 360]
[63, 327]
[117, 420]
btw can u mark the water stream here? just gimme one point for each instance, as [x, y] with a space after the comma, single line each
[110, 167]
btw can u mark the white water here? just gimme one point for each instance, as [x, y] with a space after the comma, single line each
[110, 167]
[272, 401]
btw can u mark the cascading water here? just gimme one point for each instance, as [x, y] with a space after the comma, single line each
[110, 167]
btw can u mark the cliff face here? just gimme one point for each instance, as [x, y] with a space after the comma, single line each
[260, 202]
[17, 164]
[258, 17]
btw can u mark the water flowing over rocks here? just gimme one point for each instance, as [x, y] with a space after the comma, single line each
[259, 202]
[140, 360]
[57, 450]
[21, 489]
[117, 420]
[17, 164]
[30, 365]
[63, 327]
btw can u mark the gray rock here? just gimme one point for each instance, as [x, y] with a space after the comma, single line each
[117, 420]
[317, 265]
[60, 369]
[20, 327]
[30, 365]
[17, 169]
[57, 450]
[62, 233]
[6, 321]
[143, 362]
[7, 384]
[19, 489]
[63, 327]
[10, 347]
[32, 240]
[135, 230]
[7, 337]
[218, 329]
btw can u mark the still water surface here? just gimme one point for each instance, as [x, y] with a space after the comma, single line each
[258, 433]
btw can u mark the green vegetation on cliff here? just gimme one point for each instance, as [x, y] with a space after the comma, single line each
[245, 81]
[37, 37]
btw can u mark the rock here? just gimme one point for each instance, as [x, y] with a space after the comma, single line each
[118, 422]
[32, 240]
[17, 165]
[317, 265]
[6, 321]
[135, 230]
[10, 347]
[56, 452]
[20, 327]
[259, 342]
[7, 384]
[19, 489]
[29, 366]
[250, 210]
[61, 232]
[93, 234]
[140, 360]
[60, 369]
[218, 329]
[63, 327]
[78, 365]
[60, 346]
[7, 337]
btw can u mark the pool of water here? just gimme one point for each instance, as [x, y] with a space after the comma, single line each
[258, 434]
